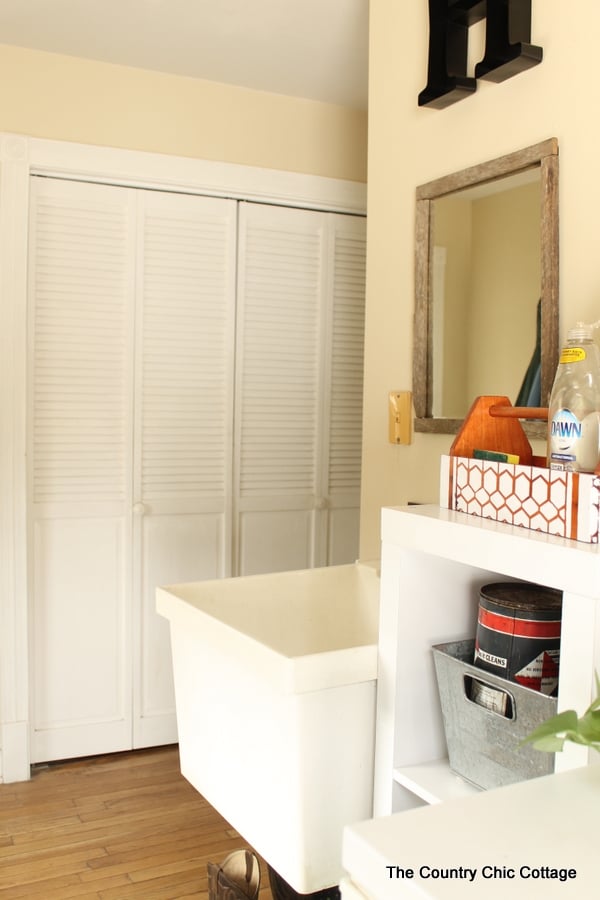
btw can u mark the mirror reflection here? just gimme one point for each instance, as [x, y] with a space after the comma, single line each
[485, 291]
[486, 287]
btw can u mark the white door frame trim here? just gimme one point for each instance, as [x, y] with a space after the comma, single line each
[20, 157]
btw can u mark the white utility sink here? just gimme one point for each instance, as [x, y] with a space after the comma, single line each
[275, 679]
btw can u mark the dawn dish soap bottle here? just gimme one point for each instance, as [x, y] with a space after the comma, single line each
[574, 410]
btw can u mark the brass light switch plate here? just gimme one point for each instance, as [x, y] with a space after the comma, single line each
[400, 417]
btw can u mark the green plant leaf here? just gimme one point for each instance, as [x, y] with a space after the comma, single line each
[589, 727]
[594, 705]
[549, 744]
[551, 735]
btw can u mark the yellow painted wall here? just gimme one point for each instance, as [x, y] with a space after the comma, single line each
[63, 98]
[410, 146]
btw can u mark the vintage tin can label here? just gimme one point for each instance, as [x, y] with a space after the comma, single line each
[518, 634]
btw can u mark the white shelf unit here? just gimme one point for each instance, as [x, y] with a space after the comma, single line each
[433, 782]
[434, 562]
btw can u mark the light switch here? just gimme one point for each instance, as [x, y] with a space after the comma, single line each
[400, 417]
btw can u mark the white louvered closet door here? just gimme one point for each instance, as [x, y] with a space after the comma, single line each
[298, 388]
[130, 435]
[184, 422]
[80, 451]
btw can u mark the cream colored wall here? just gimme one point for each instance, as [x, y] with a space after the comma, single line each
[63, 98]
[409, 146]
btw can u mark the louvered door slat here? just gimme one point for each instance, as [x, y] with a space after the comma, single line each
[278, 377]
[278, 386]
[186, 348]
[81, 276]
[347, 342]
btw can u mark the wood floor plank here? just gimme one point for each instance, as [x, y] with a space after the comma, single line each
[119, 827]
[63, 888]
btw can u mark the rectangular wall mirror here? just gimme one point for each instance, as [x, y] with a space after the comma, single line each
[486, 287]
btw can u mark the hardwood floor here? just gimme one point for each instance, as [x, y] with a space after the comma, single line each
[114, 827]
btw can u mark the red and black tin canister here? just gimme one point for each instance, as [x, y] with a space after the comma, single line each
[518, 633]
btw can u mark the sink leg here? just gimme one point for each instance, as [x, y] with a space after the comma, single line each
[281, 890]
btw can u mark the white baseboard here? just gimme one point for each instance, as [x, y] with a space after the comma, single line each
[14, 756]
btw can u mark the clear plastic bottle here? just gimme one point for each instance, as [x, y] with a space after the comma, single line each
[574, 409]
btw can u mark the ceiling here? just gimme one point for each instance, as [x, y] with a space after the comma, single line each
[315, 49]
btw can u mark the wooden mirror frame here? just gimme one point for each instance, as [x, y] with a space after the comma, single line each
[545, 156]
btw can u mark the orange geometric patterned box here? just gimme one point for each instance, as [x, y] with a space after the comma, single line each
[562, 503]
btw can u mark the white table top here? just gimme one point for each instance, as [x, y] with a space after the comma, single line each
[517, 836]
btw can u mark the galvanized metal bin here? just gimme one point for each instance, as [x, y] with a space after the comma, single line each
[483, 740]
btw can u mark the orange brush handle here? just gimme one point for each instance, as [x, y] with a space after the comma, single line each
[520, 412]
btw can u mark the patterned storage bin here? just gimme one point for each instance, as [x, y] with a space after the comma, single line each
[562, 503]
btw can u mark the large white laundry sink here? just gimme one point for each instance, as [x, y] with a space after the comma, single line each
[275, 679]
